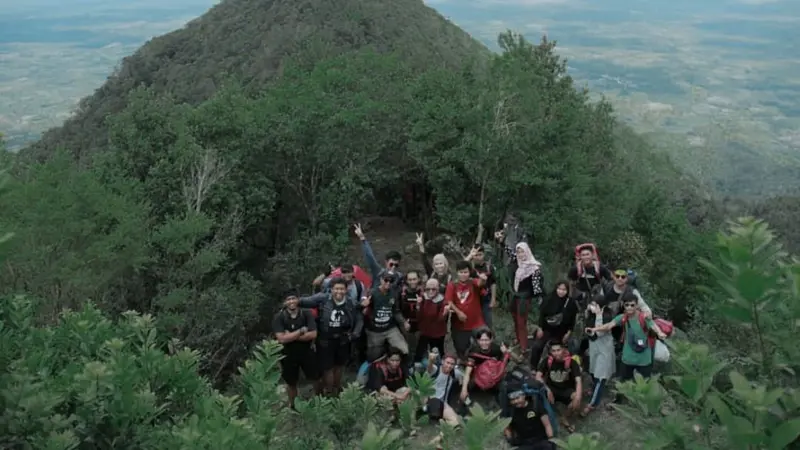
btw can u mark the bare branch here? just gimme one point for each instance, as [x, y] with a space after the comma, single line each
[205, 173]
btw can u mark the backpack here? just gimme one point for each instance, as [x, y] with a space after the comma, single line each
[490, 372]
[633, 279]
[595, 258]
[567, 361]
[651, 339]
[362, 376]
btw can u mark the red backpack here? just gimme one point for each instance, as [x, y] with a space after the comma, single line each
[567, 361]
[651, 339]
[595, 258]
[387, 378]
[490, 372]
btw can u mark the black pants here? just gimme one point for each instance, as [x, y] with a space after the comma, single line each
[627, 372]
[531, 444]
[426, 344]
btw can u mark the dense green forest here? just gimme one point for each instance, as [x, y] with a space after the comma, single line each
[183, 216]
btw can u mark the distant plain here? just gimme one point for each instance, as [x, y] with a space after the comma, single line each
[715, 83]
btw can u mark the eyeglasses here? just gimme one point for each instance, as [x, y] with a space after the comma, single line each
[620, 277]
[431, 289]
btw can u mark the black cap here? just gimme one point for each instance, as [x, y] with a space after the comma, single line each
[291, 292]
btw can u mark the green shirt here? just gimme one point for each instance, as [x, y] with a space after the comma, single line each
[629, 355]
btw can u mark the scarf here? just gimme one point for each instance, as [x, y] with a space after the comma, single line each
[526, 266]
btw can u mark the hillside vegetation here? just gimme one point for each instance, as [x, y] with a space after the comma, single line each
[250, 41]
[197, 209]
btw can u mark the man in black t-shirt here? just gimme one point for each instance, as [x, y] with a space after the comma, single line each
[530, 427]
[296, 329]
[562, 376]
[388, 378]
[588, 272]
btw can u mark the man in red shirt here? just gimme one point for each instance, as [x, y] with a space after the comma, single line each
[463, 301]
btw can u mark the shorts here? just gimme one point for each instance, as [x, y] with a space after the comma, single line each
[292, 363]
[333, 353]
[563, 396]
[435, 408]
[462, 340]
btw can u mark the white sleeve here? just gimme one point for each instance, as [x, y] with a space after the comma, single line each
[459, 374]
[643, 307]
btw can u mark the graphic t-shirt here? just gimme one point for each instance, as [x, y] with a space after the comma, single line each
[558, 376]
[339, 321]
[467, 298]
[526, 422]
[633, 332]
[382, 310]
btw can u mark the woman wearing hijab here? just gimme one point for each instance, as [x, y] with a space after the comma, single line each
[528, 283]
[557, 317]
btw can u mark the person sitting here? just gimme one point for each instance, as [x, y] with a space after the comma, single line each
[562, 376]
[388, 378]
[485, 350]
[557, 316]
[530, 427]
[446, 376]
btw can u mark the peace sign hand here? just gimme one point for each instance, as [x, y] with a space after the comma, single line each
[420, 241]
[358, 231]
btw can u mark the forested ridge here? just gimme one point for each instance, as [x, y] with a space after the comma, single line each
[197, 210]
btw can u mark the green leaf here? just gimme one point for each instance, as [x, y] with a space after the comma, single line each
[752, 285]
[784, 434]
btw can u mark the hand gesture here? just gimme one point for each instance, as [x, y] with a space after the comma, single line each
[419, 299]
[407, 325]
[471, 254]
[365, 301]
[483, 276]
[359, 232]
[661, 335]
[503, 348]
[464, 395]
[420, 241]
[539, 333]
[432, 356]
[575, 403]
[589, 330]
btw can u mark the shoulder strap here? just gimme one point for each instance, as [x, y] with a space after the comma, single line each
[359, 290]
[480, 356]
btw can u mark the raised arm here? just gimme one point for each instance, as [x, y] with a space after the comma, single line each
[313, 301]
[369, 255]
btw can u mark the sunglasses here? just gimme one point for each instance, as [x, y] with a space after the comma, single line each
[388, 280]
[620, 277]
[394, 264]
[630, 305]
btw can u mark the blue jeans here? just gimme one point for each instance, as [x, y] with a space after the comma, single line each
[486, 300]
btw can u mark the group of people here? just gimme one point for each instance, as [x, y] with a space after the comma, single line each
[396, 323]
